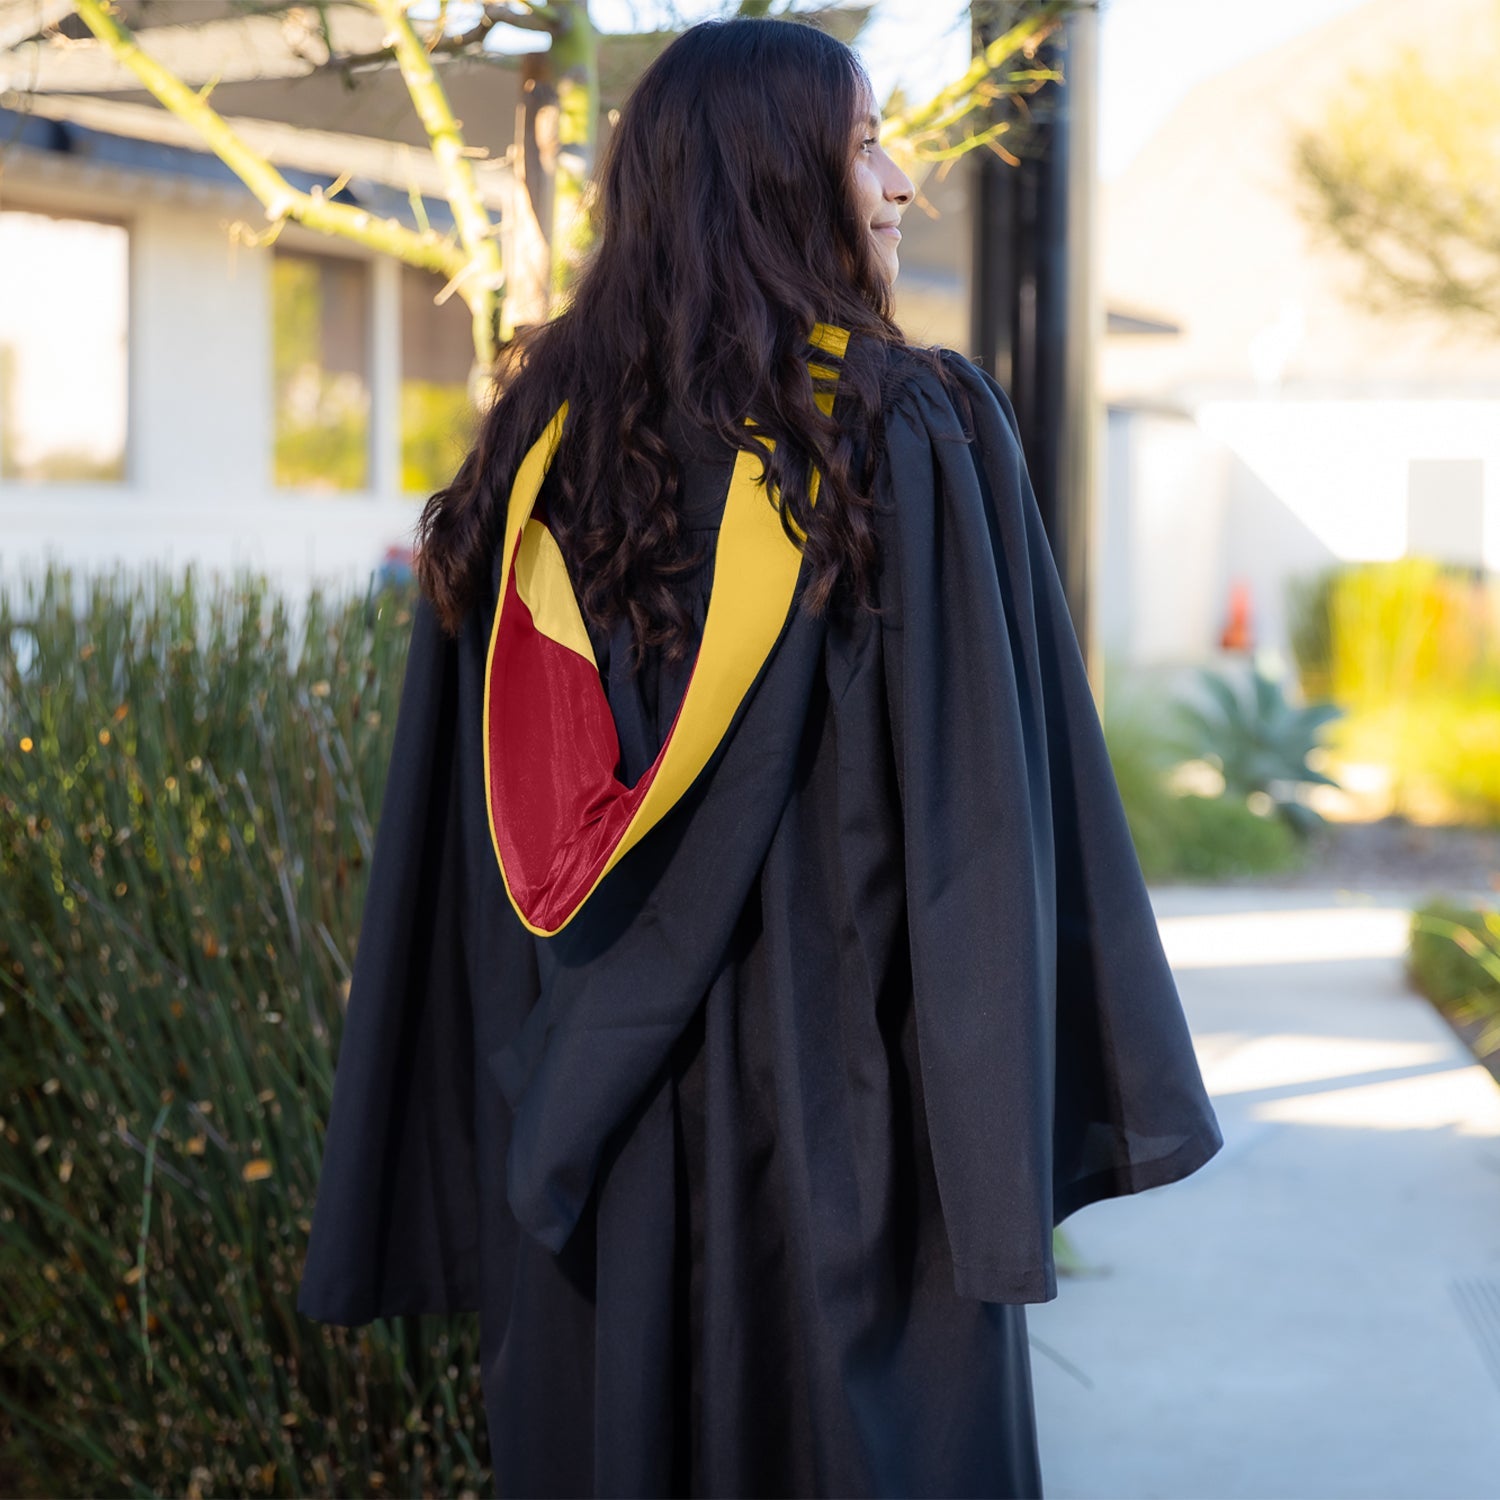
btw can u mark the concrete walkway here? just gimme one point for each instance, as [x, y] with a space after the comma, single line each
[1317, 1311]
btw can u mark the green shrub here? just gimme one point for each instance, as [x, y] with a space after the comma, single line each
[1190, 837]
[188, 790]
[1453, 958]
[1141, 758]
[1219, 836]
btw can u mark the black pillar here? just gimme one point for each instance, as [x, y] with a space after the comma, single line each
[1035, 316]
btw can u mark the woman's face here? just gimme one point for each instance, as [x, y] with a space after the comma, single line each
[881, 189]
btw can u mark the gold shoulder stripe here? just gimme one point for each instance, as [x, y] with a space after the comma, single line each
[543, 583]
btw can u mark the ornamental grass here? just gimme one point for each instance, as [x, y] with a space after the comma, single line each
[1410, 648]
[189, 784]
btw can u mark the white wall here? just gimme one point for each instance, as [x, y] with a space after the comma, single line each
[1266, 490]
[1162, 571]
[200, 433]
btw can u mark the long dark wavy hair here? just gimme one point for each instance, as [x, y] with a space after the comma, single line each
[725, 227]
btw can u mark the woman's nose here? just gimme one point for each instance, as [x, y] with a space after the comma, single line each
[900, 188]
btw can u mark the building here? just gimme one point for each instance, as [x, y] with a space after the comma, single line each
[172, 391]
[1264, 423]
[169, 391]
[173, 387]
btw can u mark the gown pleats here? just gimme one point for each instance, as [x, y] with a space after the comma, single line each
[751, 1170]
[759, 1298]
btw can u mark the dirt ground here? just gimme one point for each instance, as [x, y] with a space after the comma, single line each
[1392, 853]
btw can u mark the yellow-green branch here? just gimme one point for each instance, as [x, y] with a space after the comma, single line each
[969, 91]
[280, 199]
[486, 277]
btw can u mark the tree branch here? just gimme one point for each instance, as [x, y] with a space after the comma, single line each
[978, 85]
[280, 199]
[485, 274]
[1401, 176]
[522, 17]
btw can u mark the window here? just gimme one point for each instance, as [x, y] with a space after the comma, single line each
[64, 299]
[321, 368]
[438, 425]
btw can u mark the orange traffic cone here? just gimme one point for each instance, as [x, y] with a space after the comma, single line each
[1238, 634]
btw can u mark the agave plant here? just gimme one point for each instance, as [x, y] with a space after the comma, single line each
[1259, 741]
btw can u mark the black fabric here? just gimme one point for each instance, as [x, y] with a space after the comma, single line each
[751, 1170]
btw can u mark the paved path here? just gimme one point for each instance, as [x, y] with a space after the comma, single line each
[1316, 1312]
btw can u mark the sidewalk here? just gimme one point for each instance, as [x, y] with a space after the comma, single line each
[1316, 1312]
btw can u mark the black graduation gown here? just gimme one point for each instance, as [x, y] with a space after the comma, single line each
[751, 1169]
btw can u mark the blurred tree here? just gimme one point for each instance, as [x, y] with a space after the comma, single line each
[555, 160]
[1404, 173]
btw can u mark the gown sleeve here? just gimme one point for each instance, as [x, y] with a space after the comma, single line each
[396, 1224]
[1056, 1059]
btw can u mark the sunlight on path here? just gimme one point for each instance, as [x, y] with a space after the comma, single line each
[1298, 1318]
[1280, 937]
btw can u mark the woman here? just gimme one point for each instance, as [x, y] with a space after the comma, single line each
[756, 966]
